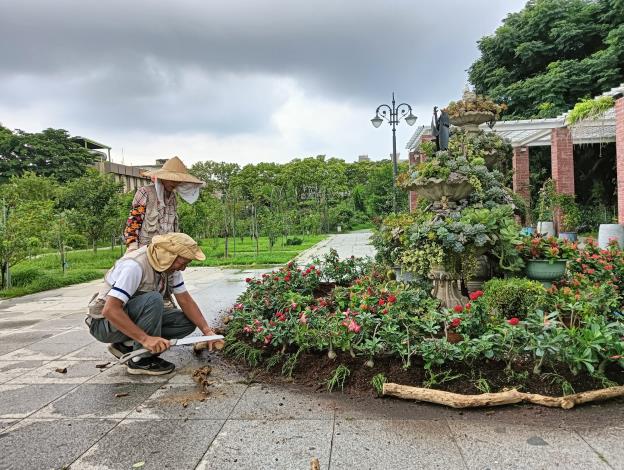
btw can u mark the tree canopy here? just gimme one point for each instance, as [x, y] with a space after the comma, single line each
[50, 152]
[546, 57]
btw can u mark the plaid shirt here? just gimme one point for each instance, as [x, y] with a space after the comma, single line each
[167, 214]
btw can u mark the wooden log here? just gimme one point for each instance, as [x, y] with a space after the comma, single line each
[315, 464]
[216, 346]
[454, 400]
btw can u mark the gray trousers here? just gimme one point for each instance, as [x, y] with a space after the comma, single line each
[148, 313]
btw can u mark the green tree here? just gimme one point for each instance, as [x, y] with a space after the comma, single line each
[47, 153]
[95, 200]
[546, 57]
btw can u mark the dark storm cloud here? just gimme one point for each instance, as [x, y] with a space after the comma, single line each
[193, 65]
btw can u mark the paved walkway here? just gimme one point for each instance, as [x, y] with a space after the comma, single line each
[92, 417]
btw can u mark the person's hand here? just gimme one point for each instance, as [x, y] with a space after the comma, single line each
[156, 344]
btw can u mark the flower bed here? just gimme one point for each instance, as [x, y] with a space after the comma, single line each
[369, 329]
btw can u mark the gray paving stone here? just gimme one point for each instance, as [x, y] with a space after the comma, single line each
[168, 402]
[19, 401]
[98, 401]
[42, 351]
[20, 339]
[522, 446]
[77, 373]
[607, 442]
[281, 402]
[358, 407]
[174, 444]
[389, 444]
[9, 370]
[40, 444]
[5, 423]
[61, 322]
[94, 351]
[282, 444]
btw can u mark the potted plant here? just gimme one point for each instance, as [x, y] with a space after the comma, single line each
[570, 217]
[473, 110]
[545, 209]
[545, 257]
[610, 232]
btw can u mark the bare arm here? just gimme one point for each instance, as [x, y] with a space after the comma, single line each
[114, 313]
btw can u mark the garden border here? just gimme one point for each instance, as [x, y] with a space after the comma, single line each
[457, 400]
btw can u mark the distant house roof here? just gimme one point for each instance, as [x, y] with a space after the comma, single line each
[415, 139]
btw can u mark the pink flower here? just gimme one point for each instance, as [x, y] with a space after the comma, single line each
[303, 319]
[513, 321]
[354, 327]
[247, 329]
[268, 338]
[467, 306]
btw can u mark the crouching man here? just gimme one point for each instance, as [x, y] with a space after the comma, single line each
[129, 312]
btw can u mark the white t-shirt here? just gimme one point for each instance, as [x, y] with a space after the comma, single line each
[126, 279]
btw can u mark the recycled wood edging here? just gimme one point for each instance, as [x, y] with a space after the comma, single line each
[456, 400]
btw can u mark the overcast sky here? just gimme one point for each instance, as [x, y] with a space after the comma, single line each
[237, 81]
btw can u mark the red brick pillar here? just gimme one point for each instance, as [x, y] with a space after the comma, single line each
[521, 173]
[562, 163]
[562, 160]
[619, 155]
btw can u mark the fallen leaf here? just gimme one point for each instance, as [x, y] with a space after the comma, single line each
[138, 464]
[123, 394]
[61, 370]
[102, 366]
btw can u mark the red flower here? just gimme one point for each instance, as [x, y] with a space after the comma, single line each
[391, 298]
[455, 322]
[467, 306]
[513, 321]
[475, 295]
[385, 311]
[381, 302]
[458, 308]
[247, 279]
[268, 338]
[608, 267]
[247, 329]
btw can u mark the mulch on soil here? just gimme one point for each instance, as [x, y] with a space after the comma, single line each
[314, 368]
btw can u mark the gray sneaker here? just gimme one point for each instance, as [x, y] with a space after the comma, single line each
[153, 365]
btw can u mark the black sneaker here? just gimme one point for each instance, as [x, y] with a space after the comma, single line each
[153, 365]
[119, 349]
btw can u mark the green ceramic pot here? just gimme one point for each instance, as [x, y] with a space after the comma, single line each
[545, 271]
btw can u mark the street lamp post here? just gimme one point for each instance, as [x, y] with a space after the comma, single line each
[393, 114]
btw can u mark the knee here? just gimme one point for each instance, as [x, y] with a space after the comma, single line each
[153, 302]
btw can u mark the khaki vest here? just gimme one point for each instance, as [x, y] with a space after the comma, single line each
[151, 281]
[151, 226]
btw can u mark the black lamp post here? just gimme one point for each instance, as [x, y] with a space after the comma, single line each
[393, 114]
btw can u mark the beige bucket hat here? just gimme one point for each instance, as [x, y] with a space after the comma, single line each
[174, 170]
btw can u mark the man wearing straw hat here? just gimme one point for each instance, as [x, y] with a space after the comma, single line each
[154, 207]
[129, 312]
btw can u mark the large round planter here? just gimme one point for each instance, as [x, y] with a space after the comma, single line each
[470, 120]
[545, 271]
[546, 229]
[435, 191]
[608, 232]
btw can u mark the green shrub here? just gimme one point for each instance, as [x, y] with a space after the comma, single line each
[24, 276]
[293, 241]
[76, 241]
[514, 297]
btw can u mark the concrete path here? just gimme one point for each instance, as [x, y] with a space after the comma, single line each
[92, 417]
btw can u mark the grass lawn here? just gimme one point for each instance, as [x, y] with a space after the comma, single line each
[246, 251]
[44, 272]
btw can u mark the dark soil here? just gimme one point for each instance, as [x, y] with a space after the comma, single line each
[314, 369]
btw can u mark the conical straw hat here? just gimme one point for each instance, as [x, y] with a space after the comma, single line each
[174, 170]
